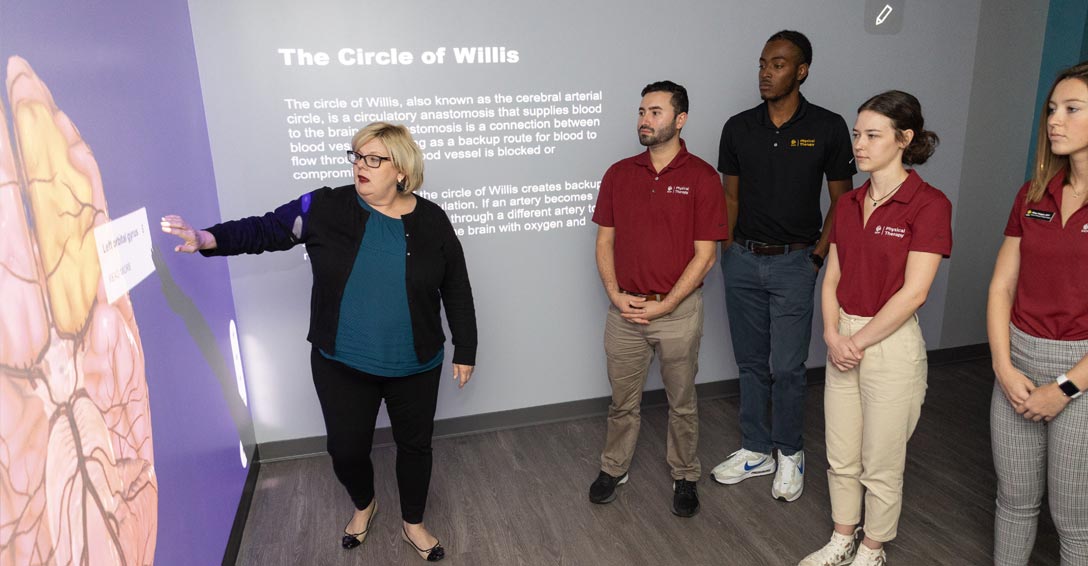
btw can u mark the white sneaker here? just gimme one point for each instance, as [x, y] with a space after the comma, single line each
[789, 482]
[741, 465]
[839, 551]
[869, 557]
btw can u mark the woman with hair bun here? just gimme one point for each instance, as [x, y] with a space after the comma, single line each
[887, 241]
[1037, 320]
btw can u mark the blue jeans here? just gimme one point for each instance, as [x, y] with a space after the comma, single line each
[770, 302]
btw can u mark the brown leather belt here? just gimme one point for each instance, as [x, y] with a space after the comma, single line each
[760, 248]
[648, 296]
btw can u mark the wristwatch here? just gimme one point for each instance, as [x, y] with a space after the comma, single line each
[817, 260]
[1069, 388]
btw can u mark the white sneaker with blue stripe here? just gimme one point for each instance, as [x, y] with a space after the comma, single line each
[741, 465]
[789, 482]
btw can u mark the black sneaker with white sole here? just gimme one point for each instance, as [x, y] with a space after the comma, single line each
[603, 489]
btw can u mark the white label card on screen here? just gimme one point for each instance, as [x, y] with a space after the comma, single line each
[124, 252]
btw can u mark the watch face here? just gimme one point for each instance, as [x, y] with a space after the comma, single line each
[1068, 387]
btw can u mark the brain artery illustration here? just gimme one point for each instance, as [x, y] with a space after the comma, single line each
[77, 474]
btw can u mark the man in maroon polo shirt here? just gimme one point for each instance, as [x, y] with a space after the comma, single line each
[659, 216]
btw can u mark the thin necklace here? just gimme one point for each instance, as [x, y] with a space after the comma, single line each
[1074, 191]
[877, 201]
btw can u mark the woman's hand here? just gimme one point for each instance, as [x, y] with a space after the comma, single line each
[842, 352]
[193, 240]
[1044, 403]
[1015, 385]
[461, 374]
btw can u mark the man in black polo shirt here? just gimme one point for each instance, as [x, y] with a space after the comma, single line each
[773, 159]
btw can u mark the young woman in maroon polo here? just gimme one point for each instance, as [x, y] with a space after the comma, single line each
[873, 255]
[887, 241]
[1037, 320]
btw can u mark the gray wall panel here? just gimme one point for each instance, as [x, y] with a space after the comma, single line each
[999, 126]
[539, 300]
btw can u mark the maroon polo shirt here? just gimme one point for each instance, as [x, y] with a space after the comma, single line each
[873, 257]
[658, 216]
[1050, 297]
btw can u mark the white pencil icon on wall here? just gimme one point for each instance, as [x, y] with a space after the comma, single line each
[883, 15]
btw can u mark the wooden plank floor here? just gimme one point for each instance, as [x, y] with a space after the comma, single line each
[518, 497]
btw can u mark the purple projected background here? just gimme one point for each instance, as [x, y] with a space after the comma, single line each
[126, 75]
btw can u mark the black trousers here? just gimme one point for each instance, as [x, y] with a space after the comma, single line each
[349, 402]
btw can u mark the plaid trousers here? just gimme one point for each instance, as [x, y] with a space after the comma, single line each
[1032, 457]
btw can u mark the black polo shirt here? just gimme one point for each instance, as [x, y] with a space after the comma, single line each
[781, 170]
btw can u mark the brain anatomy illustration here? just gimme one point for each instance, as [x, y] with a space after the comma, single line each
[77, 475]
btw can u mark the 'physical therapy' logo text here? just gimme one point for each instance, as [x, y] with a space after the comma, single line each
[890, 231]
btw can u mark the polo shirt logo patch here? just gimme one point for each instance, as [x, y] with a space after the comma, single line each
[678, 190]
[1039, 214]
[891, 232]
[803, 142]
[1084, 229]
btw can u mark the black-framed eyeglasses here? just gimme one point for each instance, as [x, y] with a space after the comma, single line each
[372, 161]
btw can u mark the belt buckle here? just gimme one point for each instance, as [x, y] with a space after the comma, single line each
[658, 297]
[752, 245]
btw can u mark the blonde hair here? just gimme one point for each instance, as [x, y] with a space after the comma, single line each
[1047, 164]
[405, 154]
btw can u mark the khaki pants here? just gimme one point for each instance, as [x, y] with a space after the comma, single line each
[870, 413]
[629, 349]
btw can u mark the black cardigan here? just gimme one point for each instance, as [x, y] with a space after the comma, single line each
[331, 224]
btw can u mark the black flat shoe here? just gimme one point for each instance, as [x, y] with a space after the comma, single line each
[432, 554]
[350, 540]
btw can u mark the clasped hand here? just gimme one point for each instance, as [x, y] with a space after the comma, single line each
[1031, 402]
[638, 310]
[842, 352]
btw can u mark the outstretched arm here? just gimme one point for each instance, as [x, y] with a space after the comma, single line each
[192, 240]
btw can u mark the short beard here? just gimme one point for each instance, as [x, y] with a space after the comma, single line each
[658, 137]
